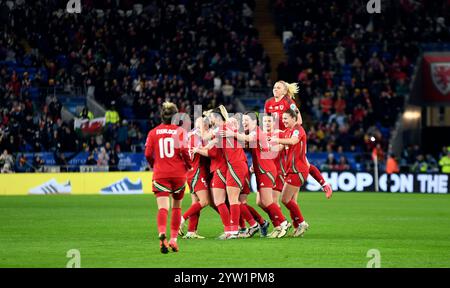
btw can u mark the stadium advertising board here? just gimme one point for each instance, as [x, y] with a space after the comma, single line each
[402, 183]
[113, 183]
[107, 183]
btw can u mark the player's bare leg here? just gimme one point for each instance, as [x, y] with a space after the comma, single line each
[200, 199]
[276, 197]
[192, 217]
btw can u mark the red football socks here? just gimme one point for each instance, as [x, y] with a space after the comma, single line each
[193, 222]
[315, 173]
[247, 215]
[277, 216]
[215, 208]
[162, 220]
[175, 222]
[194, 209]
[235, 212]
[296, 215]
[255, 214]
[241, 222]
[224, 215]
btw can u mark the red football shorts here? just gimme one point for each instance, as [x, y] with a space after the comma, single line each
[198, 183]
[170, 186]
[265, 180]
[246, 189]
[279, 183]
[296, 179]
[218, 180]
[236, 175]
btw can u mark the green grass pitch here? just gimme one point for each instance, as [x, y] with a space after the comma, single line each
[409, 230]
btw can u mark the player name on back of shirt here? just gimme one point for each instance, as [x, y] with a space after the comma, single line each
[166, 131]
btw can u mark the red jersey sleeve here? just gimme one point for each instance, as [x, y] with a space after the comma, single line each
[184, 148]
[149, 149]
[290, 104]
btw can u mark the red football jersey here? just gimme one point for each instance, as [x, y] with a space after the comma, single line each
[279, 160]
[263, 158]
[199, 163]
[296, 160]
[166, 151]
[232, 149]
[218, 161]
[278, 108]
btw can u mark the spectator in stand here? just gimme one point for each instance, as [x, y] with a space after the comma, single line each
[122, 135]
[444, 162]
[111, 115]
[61, 161]
[327, 104]
[22, 165]
[444, 151]
[391, 168]
[38, 164]
[113, 160]
[103, 157]
[433, 166]
[329, 164]
[420, 166]
[227, 91]
[86, 114]
[342, 165]
[6, 161]
[90, 161]
[7, 168]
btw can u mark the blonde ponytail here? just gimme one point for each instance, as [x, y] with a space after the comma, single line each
[207, 113]
[291, 88]
[224, 112]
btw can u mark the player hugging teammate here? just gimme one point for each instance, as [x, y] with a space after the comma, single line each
[212, 160]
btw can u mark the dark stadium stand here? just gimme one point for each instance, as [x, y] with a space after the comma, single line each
[354, 67]
[206, 52]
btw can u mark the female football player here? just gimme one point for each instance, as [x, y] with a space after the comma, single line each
[248, 213]
[296, 167]
[167, 154]
[218, 170]
[236, 164]
[264, 168]
[282, 100]
[197, 180]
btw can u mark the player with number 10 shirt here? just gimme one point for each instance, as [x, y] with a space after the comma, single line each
[166, 152]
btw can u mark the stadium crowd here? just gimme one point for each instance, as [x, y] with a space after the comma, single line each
[353, 69]
[190, 53]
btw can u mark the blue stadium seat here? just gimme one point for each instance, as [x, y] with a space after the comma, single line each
[127, 113]
[34, 93]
